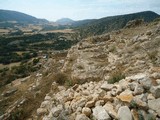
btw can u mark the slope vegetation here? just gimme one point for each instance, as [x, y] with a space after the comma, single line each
[108, 24]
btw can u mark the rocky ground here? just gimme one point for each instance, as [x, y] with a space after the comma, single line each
[20, 99]
[135, 97]
[111, 76]
[116, 76]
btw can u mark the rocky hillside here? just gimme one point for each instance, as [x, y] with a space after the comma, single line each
[114, 76]
[108, 24]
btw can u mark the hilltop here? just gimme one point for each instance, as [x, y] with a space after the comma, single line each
[108, 24]
[65, 21]
[14, 16]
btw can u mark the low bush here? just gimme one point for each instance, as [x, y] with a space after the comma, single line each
[116, 77]
[60, 78]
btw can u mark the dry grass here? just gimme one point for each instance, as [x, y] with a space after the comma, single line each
[59, 31]
[4, 31]
[9, 65]
[116, 77]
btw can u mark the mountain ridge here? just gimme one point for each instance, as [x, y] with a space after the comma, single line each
[108, 24]
[9, 15]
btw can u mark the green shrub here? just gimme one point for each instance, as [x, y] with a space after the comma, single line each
[151, 117]
[140, 115]
[153, 56]
[16, 115]
[35, 61]
[116, 77]
[112, 48]
[133, 104]
[69, 82]
[61, 78]
[80, 67]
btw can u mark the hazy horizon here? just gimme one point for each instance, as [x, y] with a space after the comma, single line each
[79, 9]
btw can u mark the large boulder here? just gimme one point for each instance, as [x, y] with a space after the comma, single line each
[100, 113]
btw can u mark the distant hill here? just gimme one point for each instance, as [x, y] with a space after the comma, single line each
[107, 24]
[82, 22]
[65, 21]
[8, 15]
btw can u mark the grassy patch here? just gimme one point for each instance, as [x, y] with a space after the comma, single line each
[133, 104]
[152, 56]
[112, 48]
[60, 78]
[116, 77]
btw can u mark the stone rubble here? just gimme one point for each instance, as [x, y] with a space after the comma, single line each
[100, 104]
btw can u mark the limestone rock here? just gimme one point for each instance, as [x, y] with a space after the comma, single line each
[138, 89]
[150, 97]
[146, 83]
[41, 111]
[156, 91]
[56, 110]
[114, 92]
[126, 96]
[90, 104]
[79, 110]
[82, 117]
[148, 32]
[156, 75]
[45, 104]
[86, 111]
[158, 81]
[143, 38]
[124, 113]
[135, 114]
[47, 98]
[132, 86]
[105, 86]
[154, 105]
[140, 103]
[100, 114]
[143, 79]
[109, 108]
[107, 98]
[81, 102]
[138, 77]
[99, 103]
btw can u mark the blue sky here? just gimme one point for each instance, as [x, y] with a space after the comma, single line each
[79, 9]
